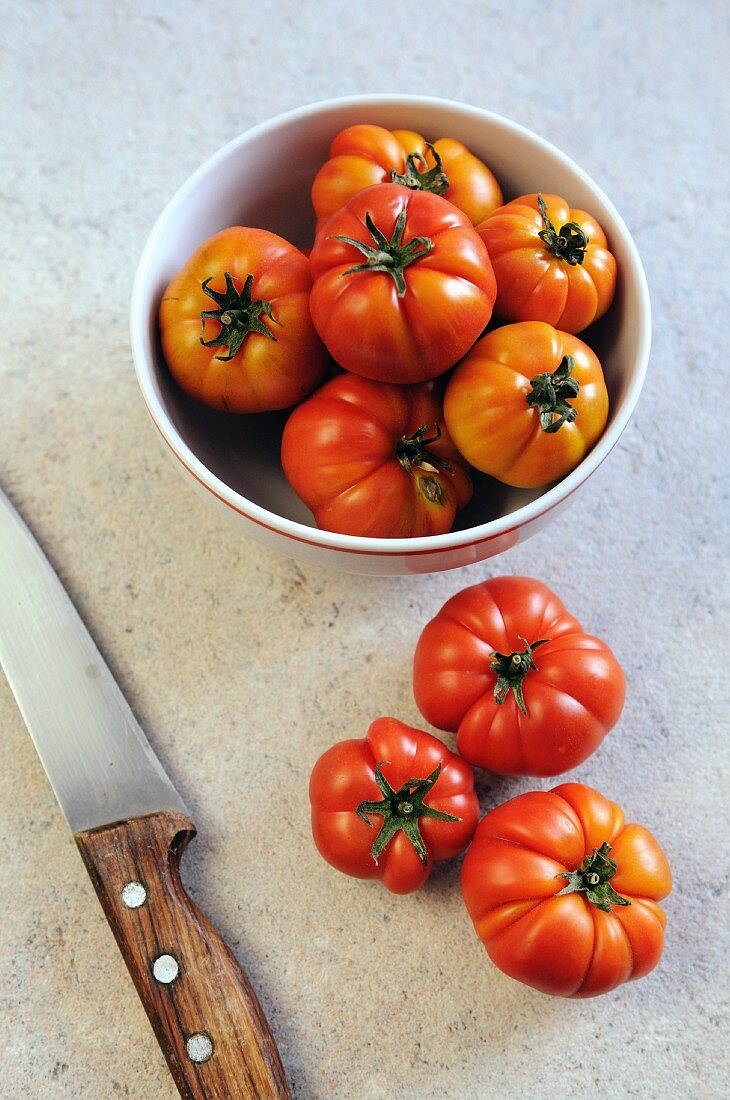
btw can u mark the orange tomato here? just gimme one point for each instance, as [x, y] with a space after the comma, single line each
[235, 325]
[526, 404]
[551, 262]
[371, 458]
[363, 155]
[564, 894]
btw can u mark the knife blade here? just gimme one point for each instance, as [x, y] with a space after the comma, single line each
[131, 827]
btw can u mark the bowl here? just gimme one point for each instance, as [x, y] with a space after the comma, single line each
[263, 178]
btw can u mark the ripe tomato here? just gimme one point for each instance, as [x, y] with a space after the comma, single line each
[423, 793]
[257, 349]
[403, 285]
[361, 156]
[527, 404]
[564, 894]
[371, 458]
[506, 665]
[565, 276]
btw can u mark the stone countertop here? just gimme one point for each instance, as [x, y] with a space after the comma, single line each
[244, 666]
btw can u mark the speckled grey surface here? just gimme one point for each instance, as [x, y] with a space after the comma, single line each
[244, 667]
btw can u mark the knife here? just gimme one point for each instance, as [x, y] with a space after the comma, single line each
[131, 827]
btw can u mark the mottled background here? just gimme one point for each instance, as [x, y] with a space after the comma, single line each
[244, 666]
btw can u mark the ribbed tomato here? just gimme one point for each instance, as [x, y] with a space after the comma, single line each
[527, 404]
[403, 285]
[507, 666]
[370, 458]
[363, 155]
[564, 894]
[389, 805]
[235, 324]
[551, 263]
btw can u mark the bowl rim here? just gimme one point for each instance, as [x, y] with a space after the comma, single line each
[361, 544]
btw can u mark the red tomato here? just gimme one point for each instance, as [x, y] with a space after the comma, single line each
[391, 804]
[235, 325]
[403, 285]
[564, 894]
[527, 404]
[370, 458]
[506, 665]
[551, 263]
[363, 155]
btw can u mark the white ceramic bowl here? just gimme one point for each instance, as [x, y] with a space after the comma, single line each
[262, 178]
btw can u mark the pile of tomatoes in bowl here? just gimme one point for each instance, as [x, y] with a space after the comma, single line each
[432, 330]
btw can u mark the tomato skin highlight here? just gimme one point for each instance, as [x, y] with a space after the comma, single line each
[367, 326]
[267, 372]
[573, 697]
[533, 284]
[565, 946]
[344, 776]
[364, 155]
[488, 415]
[339, 454]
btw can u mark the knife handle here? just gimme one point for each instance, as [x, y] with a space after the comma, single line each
[205, 1014]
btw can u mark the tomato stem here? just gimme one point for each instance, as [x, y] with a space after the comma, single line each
[550, 395]
[413, 451]
[592, 878]
[390, 256]
[237, 315]
[425, 179]
[402, 809]
[511, 669]
[569, 244]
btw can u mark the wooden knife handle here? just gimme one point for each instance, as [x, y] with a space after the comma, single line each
[205, 1014]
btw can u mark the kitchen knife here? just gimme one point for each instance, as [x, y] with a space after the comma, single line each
[131, 828]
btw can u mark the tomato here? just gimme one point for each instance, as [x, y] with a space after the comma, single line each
[389, 805]
[565, 276]
[363, 155]
[507, 666]
[371, 458]
[564, 894]
[527, 404]
[403, 285]
[235, 324]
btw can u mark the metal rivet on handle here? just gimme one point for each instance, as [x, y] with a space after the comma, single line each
[165, 969]
[134, 894]
[199, 1047]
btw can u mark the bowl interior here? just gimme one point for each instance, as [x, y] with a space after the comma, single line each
[263, 179]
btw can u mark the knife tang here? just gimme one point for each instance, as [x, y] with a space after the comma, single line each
[204, 1012]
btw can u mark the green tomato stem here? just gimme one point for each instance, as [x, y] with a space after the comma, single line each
[569, 244]
[550, 395]
[402, 809]
[433, 179]
[511, 669]
[390, 256]
[237, 315]
[593, 878]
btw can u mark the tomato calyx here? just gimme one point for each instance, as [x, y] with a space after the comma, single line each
[433, 179]
[413, 451]
[592, 878]
[390, 256]
[402, 809]
[550, 395]
[511, 669]
[569, 244]
[237, 315]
